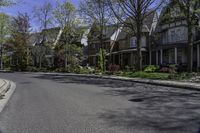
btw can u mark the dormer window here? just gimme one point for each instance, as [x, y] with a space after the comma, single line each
[133, 42]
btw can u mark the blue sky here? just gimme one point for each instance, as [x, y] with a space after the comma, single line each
[27, 6]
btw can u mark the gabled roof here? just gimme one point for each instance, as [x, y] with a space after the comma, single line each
[108, 31]
[146, 28]
[51, 34]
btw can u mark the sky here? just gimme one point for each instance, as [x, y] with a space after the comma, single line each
[26, 6]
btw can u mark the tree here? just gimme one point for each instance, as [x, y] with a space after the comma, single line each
[190, 9]
[20, 34]
[97, 13]
[43, 14]
[7, 2]
[69, 46]
[65, 17]
[131, 14]
[4, 31]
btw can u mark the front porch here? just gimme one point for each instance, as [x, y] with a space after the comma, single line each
[175, 55]
[128, 58]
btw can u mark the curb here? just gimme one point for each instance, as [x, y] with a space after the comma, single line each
[7, 95]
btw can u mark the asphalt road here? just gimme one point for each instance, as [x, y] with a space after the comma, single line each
[59, 104]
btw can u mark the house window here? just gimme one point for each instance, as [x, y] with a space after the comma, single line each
[133, 42]
[143, 41]
[93, 46]
[173, 37]
[178, 35]
[179, 55]
[164, 37]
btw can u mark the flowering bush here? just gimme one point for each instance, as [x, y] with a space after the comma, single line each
[168, 70]
[113, 68]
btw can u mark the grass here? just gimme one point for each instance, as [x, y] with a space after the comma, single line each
[146, 75]
[156, 75]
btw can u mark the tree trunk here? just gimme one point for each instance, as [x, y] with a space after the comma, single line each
[190, 46]
[40, 63]
[58, 37]
[66, 55]
[1, 56]
[138, 41]
[139, 25]
[139, 52]
[102, 53]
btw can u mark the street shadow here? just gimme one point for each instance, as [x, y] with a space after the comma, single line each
[83, 80]
[163, 109]
[159, 110]
[157, 121]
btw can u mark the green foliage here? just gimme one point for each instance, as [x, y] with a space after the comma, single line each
[102, 59]
[148, 75]
[20, 39]
[6, 2]
[151, 68]
[5, 22]
[36, 69]
[32, 69]
[181, 76]
[6, 62]
[64, 13]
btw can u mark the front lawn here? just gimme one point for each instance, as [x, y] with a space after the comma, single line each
[146, 75]
[156, 75]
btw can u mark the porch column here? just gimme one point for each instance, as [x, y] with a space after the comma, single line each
[161, 56]
[175, 55]
[121, 59]
[198, 58]
[150, 57]
[156, 57]
[113, 59]
[132, 64]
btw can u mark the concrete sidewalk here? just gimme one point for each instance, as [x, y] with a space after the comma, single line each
[179, 84]
[4, 86]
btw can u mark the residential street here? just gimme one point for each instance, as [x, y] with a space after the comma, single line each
[56, 104]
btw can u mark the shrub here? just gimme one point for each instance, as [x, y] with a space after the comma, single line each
[165, 69]
[127, 68]
[60, 69]
[181, 76]
[32, 69]
[151, 68]
[169, 69]
[113, 68]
